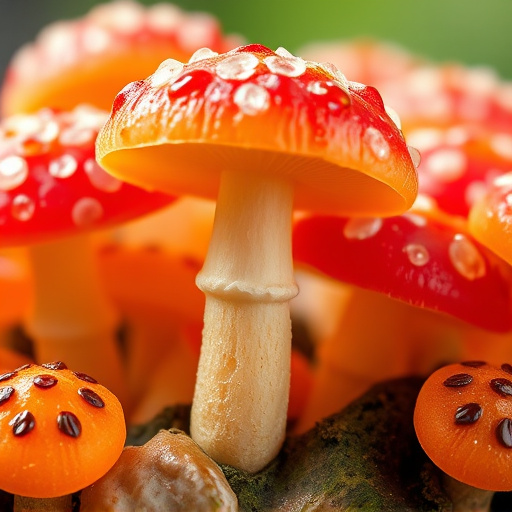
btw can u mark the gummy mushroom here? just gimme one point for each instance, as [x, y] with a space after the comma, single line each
[419, 268]
[61, 431]
[52, 195]
[89, 59]
[260, 131]
[463, 420]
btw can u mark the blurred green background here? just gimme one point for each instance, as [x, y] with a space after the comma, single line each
[469, 31]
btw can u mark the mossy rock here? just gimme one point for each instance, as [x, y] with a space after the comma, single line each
[364, 458]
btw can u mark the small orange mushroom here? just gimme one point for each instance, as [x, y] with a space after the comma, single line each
[60, 431]
[463, 420]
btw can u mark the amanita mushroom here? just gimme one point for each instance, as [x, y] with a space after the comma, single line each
[419, 269]
[60, 431]
[463, 420]
[88, 60]
[52, 195]
[261, 131]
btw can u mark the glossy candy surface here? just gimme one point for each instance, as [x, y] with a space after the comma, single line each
[60, 430]
[463, 420]
[50, 183]
[417, 258]
[256, 110]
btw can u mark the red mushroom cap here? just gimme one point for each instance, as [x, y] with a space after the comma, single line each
[459, 162]
[421, 257]
[88, 60]
[50, 183]
[463, 420]
[252, 108]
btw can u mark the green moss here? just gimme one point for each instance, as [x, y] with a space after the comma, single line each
[364, 458]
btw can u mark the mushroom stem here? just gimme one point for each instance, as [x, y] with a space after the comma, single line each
[466, 498]
[58, 504]
[241, 396]
[71, 318]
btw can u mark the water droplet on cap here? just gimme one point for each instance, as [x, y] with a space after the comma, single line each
[418, 254]
[285, 66]
[63, 167]
[202, 54]
[318, 87]
[168, 70]
[22, 208]
[362, 228]
[237, 67]
[415, 156]
[378, 144]
[252, 99]
[86, 212]
[13, 172]
[466, 258]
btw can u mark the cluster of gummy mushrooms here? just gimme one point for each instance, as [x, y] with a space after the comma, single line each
[166, 189]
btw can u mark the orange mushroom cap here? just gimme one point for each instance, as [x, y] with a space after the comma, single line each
[251, 109]
[463, 420]
[89, 59]
[490, 218]
[60, 430]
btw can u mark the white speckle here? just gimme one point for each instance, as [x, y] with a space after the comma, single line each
[393, 114]
[474, 191]
[13, 172]
[285, 66]
[237, 67]
[96, 39]
[336, 74]
[283, 52]
[252, 99]
[424, 203]
[163, 17]
[22, 208]
[86, 212]
[202, 54]
[501, 143]
[447, 165]
[318, 87]
[425, 138]
[63, 167]
[417, 254]
[77, 136]
[167, 72]
[419, 221]
[361, 228]
[415, 156]
[378, 144]
[123, 16]
[466, 258]
[49, 132]
[99, 178]
[505, 180]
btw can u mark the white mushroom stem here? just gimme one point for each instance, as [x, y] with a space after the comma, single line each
[241, 396]
[71, 318]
